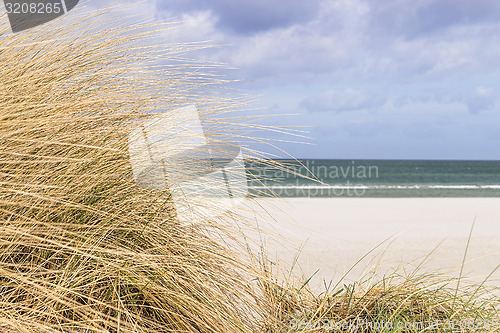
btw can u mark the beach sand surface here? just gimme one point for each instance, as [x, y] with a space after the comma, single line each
[326, 237]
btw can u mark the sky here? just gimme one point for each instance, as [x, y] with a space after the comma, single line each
[368, 79]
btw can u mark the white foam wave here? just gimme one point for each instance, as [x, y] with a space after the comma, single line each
[377, 187]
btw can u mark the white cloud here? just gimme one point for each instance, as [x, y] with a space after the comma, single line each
[483, 91]
[198, 26]
[483, 98]
[338, 101]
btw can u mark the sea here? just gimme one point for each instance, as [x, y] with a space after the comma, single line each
[373, 178]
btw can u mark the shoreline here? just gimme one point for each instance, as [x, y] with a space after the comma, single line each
[332, 234]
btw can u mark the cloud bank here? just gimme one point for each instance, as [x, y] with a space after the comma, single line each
[402, 74]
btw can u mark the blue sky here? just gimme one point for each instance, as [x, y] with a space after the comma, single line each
[368, 78]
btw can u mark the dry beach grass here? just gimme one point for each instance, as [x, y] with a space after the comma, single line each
[80, 245]
[83, 249]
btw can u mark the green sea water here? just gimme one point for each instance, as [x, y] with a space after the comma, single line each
[375, 178]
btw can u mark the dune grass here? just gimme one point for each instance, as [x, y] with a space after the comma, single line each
[83, 249]
[424, 303]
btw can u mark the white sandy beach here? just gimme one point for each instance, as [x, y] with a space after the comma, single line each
[335, 233]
